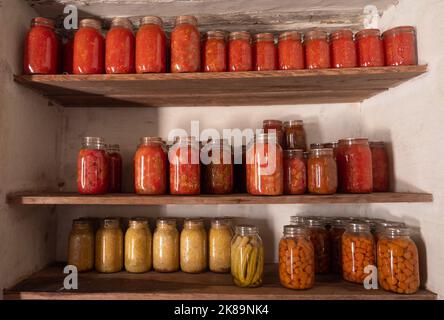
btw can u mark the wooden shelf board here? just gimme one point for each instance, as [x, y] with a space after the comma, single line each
[220, 89]
[47, 284]
[132, 199]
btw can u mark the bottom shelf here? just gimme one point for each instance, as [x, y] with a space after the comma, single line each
[48, 284]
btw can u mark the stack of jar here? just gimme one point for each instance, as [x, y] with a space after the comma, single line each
[122, 52]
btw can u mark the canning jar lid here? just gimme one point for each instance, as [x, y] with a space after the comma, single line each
[398, 30]
[367, 33]
[215, 34]
[350, 141]
[121, 22]
[321, 152]
[316, 34]
[316, 145]
[331, 145]
[377, 144]
[297, 220]
[291, 123]
[91, 23]
[151, 20]
[295, 35]
[398, 231]
[193, 222]
[341, 33]
[243, 35]
[221, 221]
[138, 221]
[246, 229]
[271, 123]
[381, 226]
[295, 229]
[358, 226]
[40, 21]
[265, 36]
[339, 222]
[166, 221]
[111, 223]
[94, 142]
[82, 222]
[113, 148]
[147, 140]
[186, 19]
[291, 153]
[314, 222]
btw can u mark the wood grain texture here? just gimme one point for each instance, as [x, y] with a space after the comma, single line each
[220, 89]
[132, 199]
[48, 284]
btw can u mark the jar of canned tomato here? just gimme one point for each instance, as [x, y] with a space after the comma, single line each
[185, 45]
[41, 48]
[151, 46]
[218, 168]
[317, 50]
[275, 127]
[355, 165]
[240, 53]
[380, 166]
[214, 52]
[342, 49]
[295, 137]
[336, 231]
[290, 51]
[265, 174]
[295, 172]
[322, 175]
[298, 220]
[370, 48]
[67, 53]
[400, 46]
[120, 47]
[89, 48]
[319, 237]
[115, 168]
[264, 52]
[150, 166]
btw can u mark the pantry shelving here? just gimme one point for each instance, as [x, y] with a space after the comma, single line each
[220, 89]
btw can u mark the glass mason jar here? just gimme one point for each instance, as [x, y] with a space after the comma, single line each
[358, 251]
[41, 53]
[67, 52]
[295, 172]
[92, 167]
[218, 173]
[370, 48]
[264, 52]
[380, 167]
[332, 145]
[193, 246]
[354, 160]
[343, 49]
[336, 231]
[150, 166]
[166, 246]
[275, 126]
[184, 157]
[138, 246]
[240, 53]
[398, 262]
[214, 52]
[296, 258]
[322, 176]
[295, 137]
[290, 51]
[109, 246]
[400, 46]
[115, 169]
[317, 50]
[185, 45]
[321, 243]
[240, 169]
[120, 47]
[247, 257]
[81, 245]
[219, 244]
[151, 46]
[89, 48]
[265, 174]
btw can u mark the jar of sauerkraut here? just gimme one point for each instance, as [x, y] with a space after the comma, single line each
[81, 245]
[109, 246]
[220, 236]
[166, 246]
[138, 246]
[193, 246]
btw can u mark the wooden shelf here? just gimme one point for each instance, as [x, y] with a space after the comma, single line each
[220, 89]
[47, 284]
[132, 199]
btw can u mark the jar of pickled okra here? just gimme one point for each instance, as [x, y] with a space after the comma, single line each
[264, 52]
[400, 46]
[380, 167]
[343, 49]
[317, 50]
[321, 243]
[185, 45]
[290, 51]
[109, 246]
[193, 246]
[214, 52]
[151, 46]
[120, 47]
[89, 48]
[370, 48]
[218, 169]
[81, 245]
[138, 246]
[219, 245]
[295, 172]
[240, 53]
[322, 176]
[166, 246]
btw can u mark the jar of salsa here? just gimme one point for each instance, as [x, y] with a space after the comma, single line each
[138, 246]
[185, 45]
[370, 48]
[295, 172]
[68, 48]
[380, 167]
[240, 53]
[81, 245]
[264, 52]
[400, 46]
[322, 174]
[343, 49]
[185, 166]
[150, 166]
[41, 48]
[336, 231]
[115, 168]
[265, 174]
[317, 50]
[92, 167]
[218, 170]
[109, 246]
[295, 135]
[89, 48]
[120, 43]
[354, 160]
[290, 51]
[275, 126]
[214, 52]
[151, 46]
[319, 237]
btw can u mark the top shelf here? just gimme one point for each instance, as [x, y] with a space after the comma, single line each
[253, 88]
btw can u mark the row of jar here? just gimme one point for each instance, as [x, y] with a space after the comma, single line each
[88, 52]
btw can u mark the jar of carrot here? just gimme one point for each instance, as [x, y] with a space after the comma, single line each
[317, 50]
[290, 51]
[400, 46]
[264, 52]
[320, 239]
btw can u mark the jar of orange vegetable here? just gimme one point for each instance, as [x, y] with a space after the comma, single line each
[240, 54]
[322, 176]
[343, 49]
[294, 135]
[151, 46]
[290, 51]
[67, 52]
[380, 167]
[218, 168]
[275, 126]
[336, 231]
[295, 172]
[185, 45]
[264, 52]
[400, 46]
[214, 52]
[89, 48]
[317, 50]
[298, 220]
[120, 42]
[296, 258]
[321, 244]
[370, 48]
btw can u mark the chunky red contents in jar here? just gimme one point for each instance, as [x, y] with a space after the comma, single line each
[88, 51]
[295, 175]
[240, 56]
[150, 49]
[290, 52]
[400, 46]
[214, 55]
[264, 53]
[370, 48]
[322, 177]
[41, 48]
[92, 171]
[185, 48]
[218, 177]
[184, 173]
[295, 135]
[115, 172]
[275, 127]
[68, 48]
[119, 50]
[317, 51]
[380, 168]
[150, 165]
[343, 49]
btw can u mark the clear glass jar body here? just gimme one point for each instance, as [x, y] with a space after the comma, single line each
[295, 172]
[400, 46]
[317, 50]
[193, 246]
[166, 246]
[115, 169]
[138, 246]
[319, 237]
[81, 245]
[109, 247]
[295, 137]
[380, 167]
[185, 45]
[214, 52]
[150, 167]
[218, 174]
[151, 46]
[120, 47]
[343, 49]
[247, 257]
[322, 176]
[275, 127]
[296, 258]
[240, 53]
[336, 231]
[370, 48]
[264, 52]
[290, 51]
[219, 244]
[265, 174]
[89, 48]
